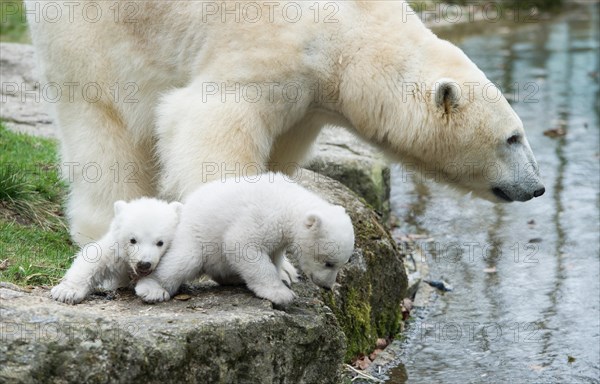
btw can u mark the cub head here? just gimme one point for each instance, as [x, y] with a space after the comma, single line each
[326, 240]
[144, 229]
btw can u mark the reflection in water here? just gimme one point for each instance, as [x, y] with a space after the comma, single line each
[526, 301]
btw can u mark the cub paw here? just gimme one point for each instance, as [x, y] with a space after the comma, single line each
[280, 296]
[66, 293]
[150, 291]
[288, 273]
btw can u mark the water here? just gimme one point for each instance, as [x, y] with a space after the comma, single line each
[536, 319]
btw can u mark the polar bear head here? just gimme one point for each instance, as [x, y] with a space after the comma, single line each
[470, 137]
[144, 228]
[326, 242]
[428, 106]
[480, 141]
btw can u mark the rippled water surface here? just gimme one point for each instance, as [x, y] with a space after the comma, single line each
[526, 301]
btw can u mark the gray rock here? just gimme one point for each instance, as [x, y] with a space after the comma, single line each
[220, 335]
[23, 101]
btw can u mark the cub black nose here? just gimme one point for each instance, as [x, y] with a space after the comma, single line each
[143, 265]
[539, 192]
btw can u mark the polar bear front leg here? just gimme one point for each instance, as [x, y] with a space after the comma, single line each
[103, 162]
[203, 138]
[150, 290]
[90, 266]
[260, 275]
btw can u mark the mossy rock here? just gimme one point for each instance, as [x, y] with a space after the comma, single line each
[343, 157]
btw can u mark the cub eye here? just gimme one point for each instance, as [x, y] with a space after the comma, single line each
[133, 241]
[514, 139]
[160, 243]
[329, 265]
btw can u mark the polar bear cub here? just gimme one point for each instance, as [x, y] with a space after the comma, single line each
[139, 235]
[238, 231]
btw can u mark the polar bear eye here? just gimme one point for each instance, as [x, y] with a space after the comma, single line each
[160, 243]
[329, 265]
[132, 241]
[514, 139]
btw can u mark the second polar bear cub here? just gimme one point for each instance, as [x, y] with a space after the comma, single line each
[139, 235]
[238, 231]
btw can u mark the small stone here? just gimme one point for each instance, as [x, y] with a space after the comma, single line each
[555, 132]
[374, 354]
[381, 343]
[182, 297]
[363, 363]
[441, 285]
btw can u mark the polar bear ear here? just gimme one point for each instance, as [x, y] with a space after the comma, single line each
[313, 220]
[177, 206]
[118, 206]
[447, 95]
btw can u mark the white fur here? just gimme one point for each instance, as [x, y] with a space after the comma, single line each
[238, 231]
[372, 68]
[113, 259]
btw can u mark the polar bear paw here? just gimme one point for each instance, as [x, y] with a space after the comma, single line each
[279, 295]
[66, 293]
[150, 291]
[288, 273]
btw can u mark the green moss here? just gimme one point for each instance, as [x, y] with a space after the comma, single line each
[367, 305]
[354, 314]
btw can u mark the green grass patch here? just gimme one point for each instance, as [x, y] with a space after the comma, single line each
[35, 248]
[13, 25]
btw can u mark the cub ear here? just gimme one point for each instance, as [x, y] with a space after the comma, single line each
[313, 220]
[177, 206]
[447, 95]
[118, 206]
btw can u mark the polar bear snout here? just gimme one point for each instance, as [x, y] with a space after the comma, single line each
[143, 260]
[143, 268]
[509, 194]
[324, 279]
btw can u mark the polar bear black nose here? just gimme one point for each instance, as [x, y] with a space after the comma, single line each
[143, 265]
[539, 192]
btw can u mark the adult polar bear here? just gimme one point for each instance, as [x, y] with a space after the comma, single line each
[168, 95]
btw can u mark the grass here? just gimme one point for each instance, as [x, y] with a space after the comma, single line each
[35, 248]
[13, 25]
